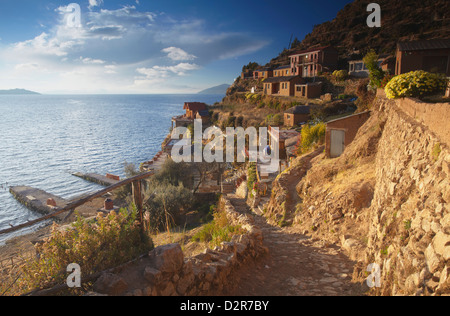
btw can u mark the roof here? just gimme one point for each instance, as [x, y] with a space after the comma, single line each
[311, 50]
[281, 79]
[194, 106]
[203, 113]
[424, 45]
[347, 117]
[299, 109]
[283, 67]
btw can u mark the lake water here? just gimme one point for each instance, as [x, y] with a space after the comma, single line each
[44, 139]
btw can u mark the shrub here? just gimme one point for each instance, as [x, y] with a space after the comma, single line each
[218, 231]
[376, 74]
[416, 84]
[312, 135]
[97, 245]
[340, 75]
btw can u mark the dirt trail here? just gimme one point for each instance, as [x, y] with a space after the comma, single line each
[296, 265]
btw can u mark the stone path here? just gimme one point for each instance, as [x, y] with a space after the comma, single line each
[296, 265]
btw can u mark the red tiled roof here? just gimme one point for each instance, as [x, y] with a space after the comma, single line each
[195, 106]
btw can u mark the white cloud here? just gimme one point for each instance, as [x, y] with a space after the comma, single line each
[177, 54]
[119, 48]
[95, 3]
[92, 61]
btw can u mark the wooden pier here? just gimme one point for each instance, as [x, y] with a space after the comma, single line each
[97, 178]
[36, 199]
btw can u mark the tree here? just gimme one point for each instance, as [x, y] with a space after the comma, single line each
[376, 74]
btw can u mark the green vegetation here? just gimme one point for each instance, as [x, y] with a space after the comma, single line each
[312, 136]
[416, 84]
[376, 74]
[436, 151]
[96, 245]
[340, 75]
[251, 176]
[218, 231]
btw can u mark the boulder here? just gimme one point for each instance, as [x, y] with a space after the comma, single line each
[168, 258]
[110, 284]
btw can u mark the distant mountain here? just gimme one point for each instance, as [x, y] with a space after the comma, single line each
[17, 92]
[221, 89]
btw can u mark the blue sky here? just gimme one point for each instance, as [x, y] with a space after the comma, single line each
[145, 46]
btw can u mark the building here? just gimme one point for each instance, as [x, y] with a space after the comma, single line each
[341, 132]
[204, 116]
[192, 108]
[282, 86]
[311, 62]
[263, 73]
[309, 90]
[357, 68]
[247, 75]
[282, 71]
[297, 114]
[430, 55]
[285, 138]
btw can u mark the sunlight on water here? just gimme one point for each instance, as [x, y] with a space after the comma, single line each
[44, 139]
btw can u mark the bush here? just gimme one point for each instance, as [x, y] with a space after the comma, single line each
[218, 231]
[416, 84]
[376, 74]
[312, 135]
[97, 245]
[340, 75]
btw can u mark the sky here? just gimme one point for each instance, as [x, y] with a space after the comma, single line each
[145, 46]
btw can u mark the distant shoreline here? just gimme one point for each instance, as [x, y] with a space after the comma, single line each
[18, 92]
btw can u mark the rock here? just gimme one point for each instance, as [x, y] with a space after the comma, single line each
[168, 258]
[152, 275]
[441, 244]
[431, 259]
[110, 284]
[169, 290]
[184, 283]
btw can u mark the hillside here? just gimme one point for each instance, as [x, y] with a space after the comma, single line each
[400, 20]
[383, 201]
[221, 89]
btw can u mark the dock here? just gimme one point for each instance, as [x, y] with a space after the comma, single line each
[36, 199]
[106, 181]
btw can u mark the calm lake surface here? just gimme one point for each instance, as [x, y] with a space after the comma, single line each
[46, 138]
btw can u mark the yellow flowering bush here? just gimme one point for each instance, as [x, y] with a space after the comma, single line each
[415, 84]
[95, 245]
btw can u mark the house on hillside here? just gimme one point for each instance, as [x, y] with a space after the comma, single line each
[192, 112]
[263, 73]
[357, 68]
[282, 86]
[311, 62]
[310, 90]
[429, 55]
[282, 71]
[285, 138]
[204, 116]
[341, 132]
[192, 108]
[297, 114]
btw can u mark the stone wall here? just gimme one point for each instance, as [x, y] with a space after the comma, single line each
[433, 115]
[409, 234]
[167, 272]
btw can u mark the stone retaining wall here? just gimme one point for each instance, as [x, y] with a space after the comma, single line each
[166, 271]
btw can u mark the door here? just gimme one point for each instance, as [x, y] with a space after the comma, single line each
[337, 143]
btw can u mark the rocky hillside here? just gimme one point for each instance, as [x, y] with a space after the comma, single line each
[385, 201]
[400, 20]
